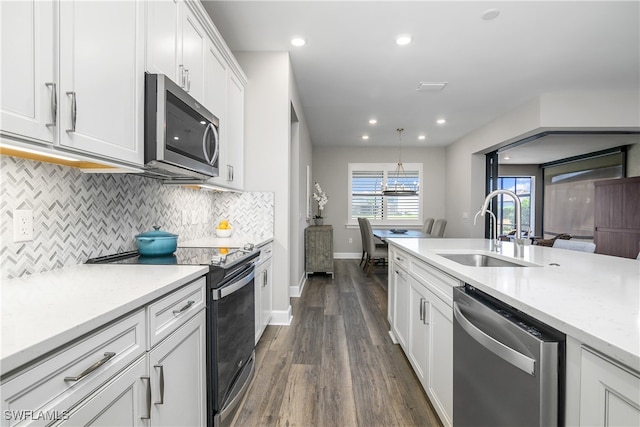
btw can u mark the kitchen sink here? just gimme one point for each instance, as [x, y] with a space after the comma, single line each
[480, 260]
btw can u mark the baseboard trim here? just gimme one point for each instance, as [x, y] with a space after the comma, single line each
[347, 255]
[281, 317]
[296, 290]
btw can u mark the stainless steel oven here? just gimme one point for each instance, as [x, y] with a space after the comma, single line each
[181, 137]
[232, 332]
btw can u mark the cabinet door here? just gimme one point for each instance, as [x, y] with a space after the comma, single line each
[266, 296]
[609, 394]
[29, 96]
[192, 46]
[102, 78]
[177, 368]
[121, 402]
[162, 38]
[440, 348]
[259, 285]
[419, 308]
[234, 160]
[401, 299]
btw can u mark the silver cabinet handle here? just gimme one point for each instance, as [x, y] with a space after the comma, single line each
[399, 259]
[181, 76]
[185, 308]
[399, 273]
[188, 73]
[425, 303]
[161, 401]
[422, 309]
[204, 143]
[108, 355]
[54, 104]
[264, 278]
[517, 359]
[74, 106]
[148, 379]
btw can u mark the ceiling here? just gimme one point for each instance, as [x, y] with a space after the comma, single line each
[351, 69]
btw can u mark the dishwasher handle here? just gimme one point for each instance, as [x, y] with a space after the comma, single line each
[517, 359]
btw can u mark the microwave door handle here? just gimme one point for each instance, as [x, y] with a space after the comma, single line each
[204, 143]
[216, 140]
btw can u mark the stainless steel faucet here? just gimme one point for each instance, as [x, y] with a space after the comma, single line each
[518, 240]
[495, 243]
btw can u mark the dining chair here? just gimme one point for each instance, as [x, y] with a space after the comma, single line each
[575, 245]
[374, 252]
[364, 240]
[438, 227]
[427, 226]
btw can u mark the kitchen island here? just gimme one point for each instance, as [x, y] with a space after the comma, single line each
[593, 299]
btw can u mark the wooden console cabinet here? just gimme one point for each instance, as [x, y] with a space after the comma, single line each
[318, 249]
[617, 217]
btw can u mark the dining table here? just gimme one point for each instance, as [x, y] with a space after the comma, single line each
[385, 233]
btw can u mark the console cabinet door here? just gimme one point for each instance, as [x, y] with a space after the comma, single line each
[177, 368]
[27, 104]
[419, 308]
[234, 157]
[192, 45]
[401, 301]
[440, 378]
[102, 78]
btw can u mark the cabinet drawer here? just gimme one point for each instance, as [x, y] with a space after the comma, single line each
[438, 282]
[66, 378]
[266, 251]
[166, 315]
[400, 258]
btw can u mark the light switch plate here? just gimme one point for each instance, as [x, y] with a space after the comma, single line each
[22, 225]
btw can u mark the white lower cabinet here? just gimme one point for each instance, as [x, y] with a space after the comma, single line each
[609, 393]
[177, 368]
[119, 403]
[263, 290]
[422, 323]
[113, 378]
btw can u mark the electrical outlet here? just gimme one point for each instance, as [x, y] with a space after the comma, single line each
[194, 217]
[350, 240]
[22, 225]
[185, 217]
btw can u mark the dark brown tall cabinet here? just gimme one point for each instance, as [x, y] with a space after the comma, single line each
[617, 217]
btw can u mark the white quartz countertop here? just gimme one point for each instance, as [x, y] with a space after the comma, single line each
[592, 298]
[234, 241]
[43, 311]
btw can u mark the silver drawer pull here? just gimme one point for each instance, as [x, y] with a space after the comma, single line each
[108, 355]
[54, 104]
[148, 380]
[161, 401]
[185, 308]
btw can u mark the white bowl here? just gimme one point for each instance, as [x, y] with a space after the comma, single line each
[223, 232]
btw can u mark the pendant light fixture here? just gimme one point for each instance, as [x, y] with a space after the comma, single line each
[399, 189]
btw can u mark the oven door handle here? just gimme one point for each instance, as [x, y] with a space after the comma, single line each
[235, 286]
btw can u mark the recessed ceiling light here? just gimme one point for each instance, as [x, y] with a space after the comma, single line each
[365, 137]
[490, 14]
[507, 158]
[430, 86]
[441, 121]
[373, 121]
[422, 137]
[298, 41]
[403, 39]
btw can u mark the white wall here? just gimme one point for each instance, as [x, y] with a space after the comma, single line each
[267, 153]
[330, 169]
[465, 172]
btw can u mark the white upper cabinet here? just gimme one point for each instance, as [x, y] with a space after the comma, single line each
[215, 82]
[28, 101]
[102, 78]
[162, 38]
[233, 167]
[191, 50]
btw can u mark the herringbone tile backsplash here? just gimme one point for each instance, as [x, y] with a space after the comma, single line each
[79, 216]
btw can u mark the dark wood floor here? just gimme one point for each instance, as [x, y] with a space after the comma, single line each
[335, 365]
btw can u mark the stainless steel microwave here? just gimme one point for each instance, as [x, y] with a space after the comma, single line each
[181, 137]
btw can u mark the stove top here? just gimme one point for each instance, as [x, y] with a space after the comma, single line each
[214, 257]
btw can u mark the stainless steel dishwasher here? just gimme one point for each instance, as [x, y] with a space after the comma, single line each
[508, 368]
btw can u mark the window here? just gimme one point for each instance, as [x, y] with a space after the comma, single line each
[366, 183]
[522, 186]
